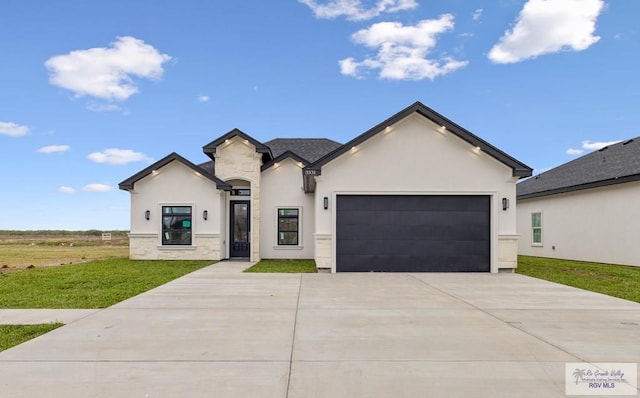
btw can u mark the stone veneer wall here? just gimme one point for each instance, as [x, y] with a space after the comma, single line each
[148, 247]
[238, 159]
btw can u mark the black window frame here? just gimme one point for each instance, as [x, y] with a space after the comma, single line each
[282, 242]
[168, 230]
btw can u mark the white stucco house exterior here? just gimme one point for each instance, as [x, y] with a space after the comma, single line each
[417, 192]
[584, 209]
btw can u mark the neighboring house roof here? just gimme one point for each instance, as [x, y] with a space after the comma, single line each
[614, 164]
[519, 169]
[210, 148]
[310, 149]
[129, 182]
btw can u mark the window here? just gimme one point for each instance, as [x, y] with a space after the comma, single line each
[241, 192]
[288, 226]
[176, 225]
[536, 228]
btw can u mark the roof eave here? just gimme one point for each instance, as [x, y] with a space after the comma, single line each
[580, 187]
[129, 183]
[283, 156]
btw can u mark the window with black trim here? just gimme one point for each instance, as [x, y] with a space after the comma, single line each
[176, 225]
[288, 223]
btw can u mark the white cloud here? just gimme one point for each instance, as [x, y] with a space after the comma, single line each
[597, 145]
[97, 188]
[64, 189]
[107, 72]
[402, 50]
[354, 10]
[549, 26]
[98, 107]
[203, 98]
[12, 129]
[575, 152]
[118, 156]
[54, 149]
[589, 146]
[477, 14]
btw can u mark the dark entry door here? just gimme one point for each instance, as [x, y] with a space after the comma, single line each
[240, 229]
[396, 233]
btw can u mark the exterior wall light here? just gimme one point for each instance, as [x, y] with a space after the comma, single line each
[505, 203]
[326, 203]
[147, 215]
[205, 214]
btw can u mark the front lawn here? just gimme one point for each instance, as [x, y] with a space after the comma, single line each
[96, 284]
[12, 335]
[284, 266]
[614, 280]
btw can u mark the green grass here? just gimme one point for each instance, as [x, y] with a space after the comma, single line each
[96, 284]
[614, 280]
[12, 335]
[284, 266]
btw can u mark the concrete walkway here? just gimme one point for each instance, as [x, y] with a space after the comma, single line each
[220, 333]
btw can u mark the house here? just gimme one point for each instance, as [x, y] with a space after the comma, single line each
[417, 192]
[585, 209]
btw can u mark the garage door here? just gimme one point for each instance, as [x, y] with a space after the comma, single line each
[412, 233]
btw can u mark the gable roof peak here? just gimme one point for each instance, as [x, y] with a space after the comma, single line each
[129, 183]
[210, 148]
[519, 169]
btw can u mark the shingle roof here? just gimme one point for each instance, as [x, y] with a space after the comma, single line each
[310, 149]
[307, 149]
[615, 164]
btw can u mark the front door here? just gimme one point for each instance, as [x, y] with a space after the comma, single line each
[240, 229]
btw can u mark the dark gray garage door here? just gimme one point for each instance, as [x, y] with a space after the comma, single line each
[412, 233]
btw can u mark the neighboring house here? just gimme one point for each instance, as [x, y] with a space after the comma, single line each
[417, 192]
[586, 209]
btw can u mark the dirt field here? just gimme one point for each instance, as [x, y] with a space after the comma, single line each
[22, 249]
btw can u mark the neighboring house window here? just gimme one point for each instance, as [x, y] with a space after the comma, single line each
[176, 225]
[536, 228]
[288, 226]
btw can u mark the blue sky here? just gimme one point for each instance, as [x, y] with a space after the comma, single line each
[92, 92]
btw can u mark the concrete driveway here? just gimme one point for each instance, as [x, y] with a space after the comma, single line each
[214, 333]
